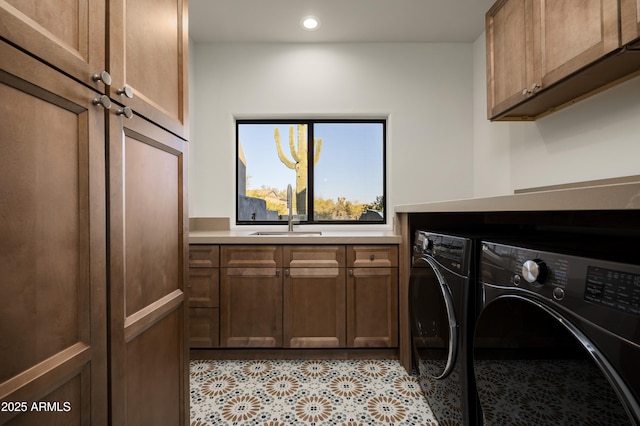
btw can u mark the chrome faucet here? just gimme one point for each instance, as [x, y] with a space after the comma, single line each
[290, 207]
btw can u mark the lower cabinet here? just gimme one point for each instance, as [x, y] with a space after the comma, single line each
[372, 307]
[314, 297]
[294, 296]
[204, 296]
[251, 308]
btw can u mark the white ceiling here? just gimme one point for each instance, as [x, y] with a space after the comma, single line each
[341, 20]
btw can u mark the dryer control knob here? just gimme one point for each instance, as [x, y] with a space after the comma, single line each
[534, 270]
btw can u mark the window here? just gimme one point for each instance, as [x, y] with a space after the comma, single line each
[336, 169]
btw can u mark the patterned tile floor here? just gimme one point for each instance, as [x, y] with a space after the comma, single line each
[281, 393]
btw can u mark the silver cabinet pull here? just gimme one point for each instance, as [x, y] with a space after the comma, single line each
[126, 90]
[350, 272]
[103, 101]
[126, 111]
[286, 272]
[102, 76]
[277, 272]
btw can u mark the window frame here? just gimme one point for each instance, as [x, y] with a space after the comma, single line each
[310, 177]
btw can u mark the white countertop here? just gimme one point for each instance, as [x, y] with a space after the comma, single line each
[602, 197]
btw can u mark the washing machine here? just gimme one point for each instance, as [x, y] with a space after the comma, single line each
[557, 338]
[441, 300]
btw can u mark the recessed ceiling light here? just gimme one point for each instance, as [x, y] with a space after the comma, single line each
[310, 23]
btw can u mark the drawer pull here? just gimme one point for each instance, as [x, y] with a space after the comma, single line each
[372, 257]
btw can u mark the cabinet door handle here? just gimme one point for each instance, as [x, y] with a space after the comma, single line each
[277, 272]
[126, 111]
[286, 272]
[103, 76]
[126, 90]
[350, 272]
[103, 101]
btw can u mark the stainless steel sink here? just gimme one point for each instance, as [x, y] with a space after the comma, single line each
[288, 233]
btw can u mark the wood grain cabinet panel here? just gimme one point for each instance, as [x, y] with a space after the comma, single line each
[372, 296]
[68, 34]
[250, 307]
[148, 273]
[372, 256]
[53, 309]
[251, 256]
[512, 65]
[372, 307]
[204, 327]
[630, 22]
[314, 297]
[574, 34]
[204, 296]
[543, 55]
[204, 287]
[148, 48]
[204, 256]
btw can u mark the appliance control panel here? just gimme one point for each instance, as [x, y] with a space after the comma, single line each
[563, 278]
[450, 251]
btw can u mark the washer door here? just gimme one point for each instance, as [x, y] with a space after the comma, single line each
[434, 328]
[533, 366]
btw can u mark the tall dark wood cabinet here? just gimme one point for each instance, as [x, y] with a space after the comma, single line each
[93, 219]
[53, 281]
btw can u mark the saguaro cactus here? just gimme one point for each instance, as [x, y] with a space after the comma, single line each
[299, 155]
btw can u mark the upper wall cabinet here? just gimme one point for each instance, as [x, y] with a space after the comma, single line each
[141, 44]
[542, 55]
[68, 34]
[630, 22]
[148, 46]
[511, 63]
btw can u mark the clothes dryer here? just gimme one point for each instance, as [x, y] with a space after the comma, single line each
[557, 339]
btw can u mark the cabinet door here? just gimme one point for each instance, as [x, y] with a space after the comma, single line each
[148, 46]
[148, 264]
[251, 256]
[204, 287]
[204, 327]
[575, 33]
[204, 293]
[372, 307]
[68, 34]
[314, 296]
[512, 33]
[630, 21]
[204, 256]
[378, 256]
[52, 244]
[250, 307]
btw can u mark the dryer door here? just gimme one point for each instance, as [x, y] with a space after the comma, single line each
[533, 366]
[434, 327]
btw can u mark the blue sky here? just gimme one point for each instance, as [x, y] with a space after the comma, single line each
[350, 163]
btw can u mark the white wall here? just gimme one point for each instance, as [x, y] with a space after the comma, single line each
[491, 147]
[440, 145]
[594, 139]
[425, 90]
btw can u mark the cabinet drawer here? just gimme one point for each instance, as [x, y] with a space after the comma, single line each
[251, 256]
[204, 256]
[204, 329]
[204, 287]
[372, 256]
[314, 256]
